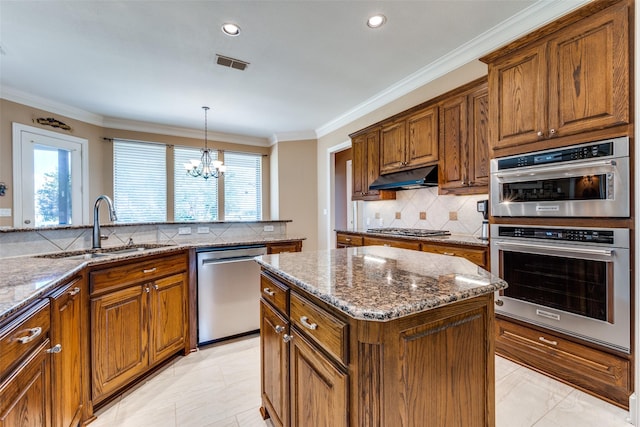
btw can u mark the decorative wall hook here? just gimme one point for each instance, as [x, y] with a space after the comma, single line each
[3, 188]
[50, 121]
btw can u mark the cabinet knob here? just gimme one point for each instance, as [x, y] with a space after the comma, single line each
[287, 337]
[146, 288]
[155, 286]
[552, 131]
[499, 302]
[305, 322]
[75, 291]
[55, 349]
[279, 329]
[540, 134]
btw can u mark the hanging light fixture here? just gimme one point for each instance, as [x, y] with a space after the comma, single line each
[205, 167]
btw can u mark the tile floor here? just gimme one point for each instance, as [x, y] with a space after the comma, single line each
[219, 386]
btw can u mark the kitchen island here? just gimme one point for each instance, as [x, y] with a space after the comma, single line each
[377, 336]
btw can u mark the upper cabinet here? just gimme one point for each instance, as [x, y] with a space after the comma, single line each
[464, 151]
[409, 142]
[565, 79]
[365, 166]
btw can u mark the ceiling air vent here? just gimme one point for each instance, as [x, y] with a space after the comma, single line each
[225, 61]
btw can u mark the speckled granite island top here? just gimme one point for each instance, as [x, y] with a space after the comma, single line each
[382, 283]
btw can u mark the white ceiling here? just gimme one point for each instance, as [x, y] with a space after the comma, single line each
[138, 64]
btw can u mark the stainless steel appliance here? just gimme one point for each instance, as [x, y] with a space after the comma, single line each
[570, 279]
[483, 207]
[585, 180]
[412, 232]
[228, 292]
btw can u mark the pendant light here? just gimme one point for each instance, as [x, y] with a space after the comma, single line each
[205, 167]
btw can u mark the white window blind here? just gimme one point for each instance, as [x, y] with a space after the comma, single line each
[195, 199]
[242, 186]
[140, 181]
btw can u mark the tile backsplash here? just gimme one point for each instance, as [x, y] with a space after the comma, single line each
[424, 208]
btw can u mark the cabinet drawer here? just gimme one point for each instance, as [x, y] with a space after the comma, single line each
[320, 325]
[24, 334]
[601, 373]
[126, 274]
[278, 248]
[274, 292]
[476, 256]
[374, 241]
[349, 239]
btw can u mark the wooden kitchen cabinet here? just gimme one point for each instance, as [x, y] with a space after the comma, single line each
[345, 240]
[281, 247]
[395, 243]
[409, 142]
[568, 78]
[601, 373]
[463, 141]
[25, 381]
[365, 166]
[69, 378]
[477, 255]
[138, 320]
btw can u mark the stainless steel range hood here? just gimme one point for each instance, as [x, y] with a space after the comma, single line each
[406, 180]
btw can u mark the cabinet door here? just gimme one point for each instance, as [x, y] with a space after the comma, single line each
[167, 316]
[359, 167]
[478, 139]
[422, 138]
[453, 144]
[67, 331]
[319, 389]
[274, 359]
[372, 171]
[119, 339]
[589, 73]
[392, 147]
[518, 98]
[26, 394]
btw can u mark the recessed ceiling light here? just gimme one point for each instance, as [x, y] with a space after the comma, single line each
[376, 21]
[231, 29]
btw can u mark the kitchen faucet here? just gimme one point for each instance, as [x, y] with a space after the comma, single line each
[96, 221]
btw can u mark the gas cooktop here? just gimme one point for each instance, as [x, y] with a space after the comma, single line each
[413, 232]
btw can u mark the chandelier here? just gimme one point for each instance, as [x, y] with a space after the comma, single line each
[205, 167]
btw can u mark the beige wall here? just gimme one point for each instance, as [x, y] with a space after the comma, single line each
[297, 178]
[326, 144]
[100, 152]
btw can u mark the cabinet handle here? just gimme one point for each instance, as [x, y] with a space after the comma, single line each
[146, 288]
[499, 302]
[75, 291]
[279, 329]
[348, 239]
[56, 349]
[546, 341]
[268, 292]
[552, 131]
[33, 334]
[540, 134]
[448, 253]
[305, 322]
[149, 270]
[464, 183]
[155, 286]
[287, 337]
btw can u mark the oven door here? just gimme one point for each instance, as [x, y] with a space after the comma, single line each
[579, 290]
[596, 188]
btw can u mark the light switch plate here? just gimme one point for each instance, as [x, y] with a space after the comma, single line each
[5, 212]
[184, 230]
[268, 228]
[203, 230]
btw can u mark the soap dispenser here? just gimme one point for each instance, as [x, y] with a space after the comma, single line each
[483, 207]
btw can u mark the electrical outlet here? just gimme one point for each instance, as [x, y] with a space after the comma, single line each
[5, 212]
[377, 215]
[398, 215]
[268, 228]
[184, 230]
[203, 230]
[453, 215]
[423, 215]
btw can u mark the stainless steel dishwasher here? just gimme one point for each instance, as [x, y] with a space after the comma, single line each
[228, 292]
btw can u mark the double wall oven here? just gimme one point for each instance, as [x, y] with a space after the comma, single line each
[572, 279]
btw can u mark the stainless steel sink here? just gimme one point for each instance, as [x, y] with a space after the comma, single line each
[104, 252]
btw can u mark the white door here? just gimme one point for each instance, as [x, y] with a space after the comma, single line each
[49, 170]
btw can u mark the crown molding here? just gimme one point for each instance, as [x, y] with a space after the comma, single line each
[292, 136]
[529, 19]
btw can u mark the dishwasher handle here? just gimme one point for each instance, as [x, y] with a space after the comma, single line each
[226, 260]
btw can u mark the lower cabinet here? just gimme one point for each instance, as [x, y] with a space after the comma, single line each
[280, 247]
[69, 344]
[478, 256]
[274, 357]
[138, 319]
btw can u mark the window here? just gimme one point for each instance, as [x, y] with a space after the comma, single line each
[242, 187]
[195, 199]
[50, 170]
[140, 181]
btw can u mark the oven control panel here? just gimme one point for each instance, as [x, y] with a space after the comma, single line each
[602, 149]
[563, 234]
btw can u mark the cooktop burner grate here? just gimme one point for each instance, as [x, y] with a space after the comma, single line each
[413, 232]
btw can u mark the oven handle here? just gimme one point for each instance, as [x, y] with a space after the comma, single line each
[563, 249]
[527, 171]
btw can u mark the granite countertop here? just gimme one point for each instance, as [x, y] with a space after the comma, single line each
[27, 278]
[383, 283]
[454, 238]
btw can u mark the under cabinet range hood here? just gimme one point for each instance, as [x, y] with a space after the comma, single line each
[407, 180]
